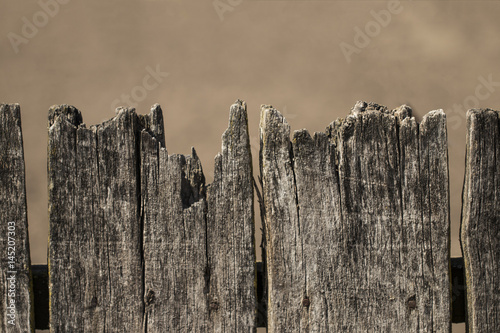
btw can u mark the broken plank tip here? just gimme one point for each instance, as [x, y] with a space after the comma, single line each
[153, 124]
[239, 105]
[270, 115]
[64, 112]
[12, 111]
[362, 106]
[237, 116]
[302, 135]
[434, 114]
[403, 112]
[12, 106]
[471, 113]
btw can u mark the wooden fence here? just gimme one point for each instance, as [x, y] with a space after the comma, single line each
[356, 227]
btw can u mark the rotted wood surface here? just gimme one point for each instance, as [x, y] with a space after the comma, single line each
[16, 296]
[356, 223]
[135, 245]
[480, 229]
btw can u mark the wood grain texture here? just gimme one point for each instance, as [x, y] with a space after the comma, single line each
[230, 231]
[174, 217]
[284, 256]
[348, 246]
[95, 260]
[15, 279]
[436, 291]
[480, 229]
[130, 249]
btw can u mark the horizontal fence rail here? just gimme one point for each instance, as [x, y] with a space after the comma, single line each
[355, 221]
[41, 293]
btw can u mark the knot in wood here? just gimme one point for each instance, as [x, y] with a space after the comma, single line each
[150, 297]
[214, 306]
[412, 302]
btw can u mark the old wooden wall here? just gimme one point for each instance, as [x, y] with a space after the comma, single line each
[355, 220]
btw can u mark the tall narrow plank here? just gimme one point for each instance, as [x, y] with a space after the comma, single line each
[284, 248]
[16, 297]
[412, 226]
[174, 217]
[371, 210]
[480, 229]
[95, 252]
[119, 186]
[230, 231]
[435, 241]
[318, 201]
[64, 268]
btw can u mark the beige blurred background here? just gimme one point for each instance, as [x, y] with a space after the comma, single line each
[291, 54]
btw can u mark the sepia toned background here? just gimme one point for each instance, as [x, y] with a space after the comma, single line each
[312, 60]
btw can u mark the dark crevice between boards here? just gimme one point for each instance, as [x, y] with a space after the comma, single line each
[262, 289]
[149, 124]
[142, 121]
[260, 266]
[305, 295]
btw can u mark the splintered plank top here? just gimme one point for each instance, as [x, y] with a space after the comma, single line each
[356, 223]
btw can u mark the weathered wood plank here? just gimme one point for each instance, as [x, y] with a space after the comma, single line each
[371, 210]
[95, 252]
[285, 271]
[128, 229]
[63, 122]
[174, 216]
[343, 243]
[435, 294]
[318, 204]
[16, 297]
[230, 231]
[480, 229]
[198, 248]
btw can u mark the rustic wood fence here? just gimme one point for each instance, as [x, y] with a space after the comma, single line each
[356, 229]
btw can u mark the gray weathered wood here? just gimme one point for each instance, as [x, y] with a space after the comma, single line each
[435, 292]
[130, 249]
[283, 244]
[354, 247]
[16, 297]
[174, 217]
[318, 207]
[230, 231]
[480, 229]
[95, 252]
[198, 252]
